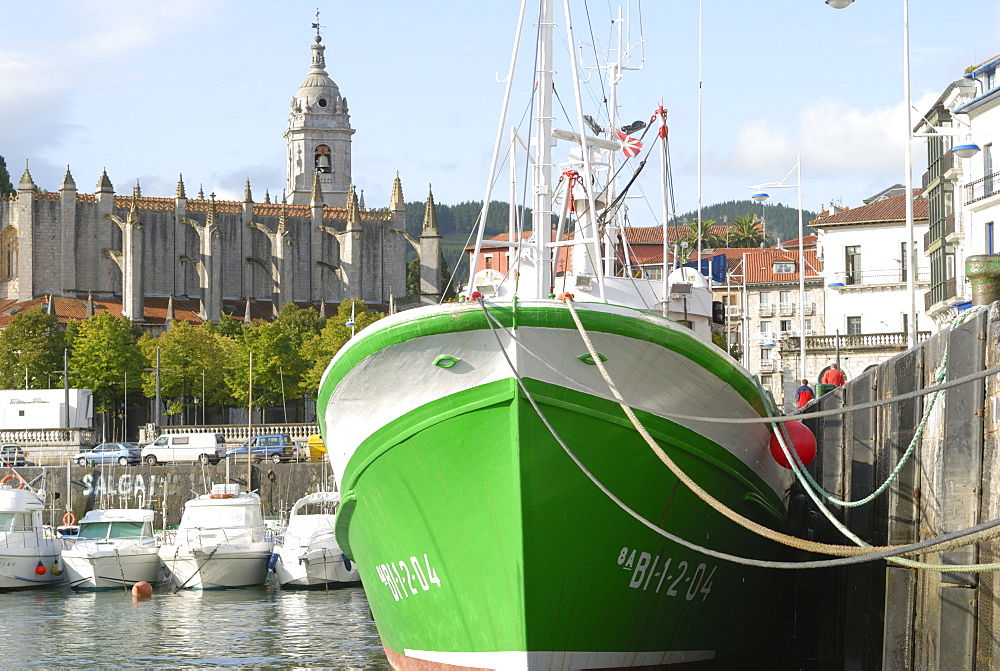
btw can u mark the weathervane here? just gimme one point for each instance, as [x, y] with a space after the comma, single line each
[316, 25]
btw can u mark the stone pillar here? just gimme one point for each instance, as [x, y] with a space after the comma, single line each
[430, 255]
[67, 234]
[24, 216]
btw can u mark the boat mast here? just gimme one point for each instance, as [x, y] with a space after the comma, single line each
[541, 202]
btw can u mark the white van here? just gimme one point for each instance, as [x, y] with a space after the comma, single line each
[208, 448]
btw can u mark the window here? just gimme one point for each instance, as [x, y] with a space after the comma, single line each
[852, 264]
[8, 254]
[989, 237]
[765, 353]
[784, 296]
[783, 267]
[809, 326]
[785, 325]
[489, 261]
[765, 328]
[765, 298]
[902, 262]
[854, 326]
[988, 169]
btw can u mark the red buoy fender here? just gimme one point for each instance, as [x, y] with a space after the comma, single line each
[802, 441]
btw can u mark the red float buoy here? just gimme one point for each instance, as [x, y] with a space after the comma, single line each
[40, 569]
[801, 440]
[142, 590]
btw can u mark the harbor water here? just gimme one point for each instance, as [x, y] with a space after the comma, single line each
[262, 627]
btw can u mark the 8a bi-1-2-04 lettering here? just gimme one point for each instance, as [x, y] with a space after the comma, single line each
[677, 581]
[403, 581]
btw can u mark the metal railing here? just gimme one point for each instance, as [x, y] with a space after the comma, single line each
[982, 188]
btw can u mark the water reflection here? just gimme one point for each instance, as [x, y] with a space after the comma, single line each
[247, 627]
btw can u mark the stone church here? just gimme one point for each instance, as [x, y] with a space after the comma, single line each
[155, 259]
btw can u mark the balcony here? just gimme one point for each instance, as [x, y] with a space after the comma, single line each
[946, 291]
[858, 341]
[982, 188]
[734, 311]
[786, 309]
[951, 166]
[809, 308]
[765, 310]
[766, 365]
[863, 278]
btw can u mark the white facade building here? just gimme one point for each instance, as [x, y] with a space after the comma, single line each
[865, 267]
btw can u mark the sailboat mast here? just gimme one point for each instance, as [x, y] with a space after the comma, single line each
[541, 202]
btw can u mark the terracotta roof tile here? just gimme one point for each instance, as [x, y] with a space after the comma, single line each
[758, 266]
[892, 209]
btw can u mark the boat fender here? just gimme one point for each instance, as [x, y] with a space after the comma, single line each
[55, 568]
[802, 440]
[142, 590]
[347, 562]
[272, 562]
[13, 476]
[40, 569]
[69, 519]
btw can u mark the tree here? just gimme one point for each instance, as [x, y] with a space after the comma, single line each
[105, 350]
[189, 356]
[6, 188]
[31, 348]
[745, 232]
[227, 326]
[277, 364]
[709, 240]
[321, 349]
[413, 279]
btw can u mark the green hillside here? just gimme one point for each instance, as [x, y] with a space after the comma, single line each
[455, 223]
[780, 221]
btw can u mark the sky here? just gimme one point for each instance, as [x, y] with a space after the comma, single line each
[149, 90]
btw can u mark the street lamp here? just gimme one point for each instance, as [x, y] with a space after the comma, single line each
[760, 196]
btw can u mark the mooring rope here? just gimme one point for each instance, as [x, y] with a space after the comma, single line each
[848, 554]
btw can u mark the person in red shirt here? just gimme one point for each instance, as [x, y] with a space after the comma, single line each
[803, 394]
[834, 376]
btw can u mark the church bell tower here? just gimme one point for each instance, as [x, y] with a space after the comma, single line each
[318, 138]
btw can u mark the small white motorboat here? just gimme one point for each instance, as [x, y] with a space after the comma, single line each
[29, 551]
[309, 556]
[114, 548]
[221, 542]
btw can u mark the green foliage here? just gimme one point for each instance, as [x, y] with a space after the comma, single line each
[105, 350]
[279, 366]
[187, 353]
[718, 339]
[413, 278]
[227, 326]
[708, 239]
[320, 349]
[6, 188]
[745, 231]
[459, 218]
[32, 341]
[780, 221]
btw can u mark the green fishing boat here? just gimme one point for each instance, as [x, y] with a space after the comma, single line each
[503, 509]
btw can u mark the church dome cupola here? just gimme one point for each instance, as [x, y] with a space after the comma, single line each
[318, 92]
[319, 133]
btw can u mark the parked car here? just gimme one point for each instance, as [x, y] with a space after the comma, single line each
[109, 453]
[274, 446]
[13, 455]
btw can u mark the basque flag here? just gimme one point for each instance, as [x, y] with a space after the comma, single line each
[630, 146]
